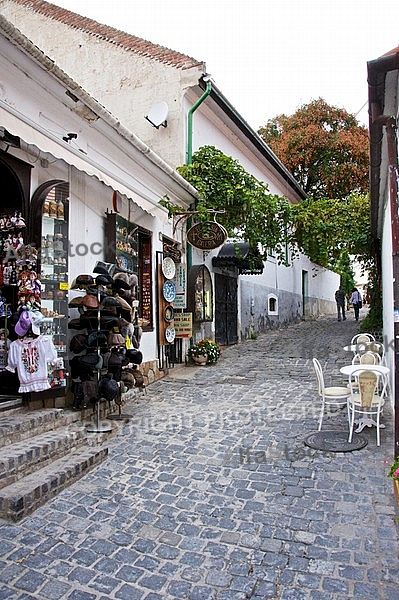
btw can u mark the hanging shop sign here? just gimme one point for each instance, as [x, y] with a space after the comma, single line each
[207, 236]
[183, 324]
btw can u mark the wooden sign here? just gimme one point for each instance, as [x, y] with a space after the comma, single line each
[183, 325]
[207, 236]
[181, 286]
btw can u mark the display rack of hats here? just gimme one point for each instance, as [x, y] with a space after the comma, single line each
[106, 343]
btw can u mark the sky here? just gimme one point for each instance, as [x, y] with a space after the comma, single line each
[268, 57]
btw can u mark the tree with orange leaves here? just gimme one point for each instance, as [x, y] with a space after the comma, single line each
[324, 147]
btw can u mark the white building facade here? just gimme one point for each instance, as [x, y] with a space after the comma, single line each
[128, 76]
[59, 146]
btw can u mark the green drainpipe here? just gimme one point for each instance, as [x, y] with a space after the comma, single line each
[190, 148]
[190, 122]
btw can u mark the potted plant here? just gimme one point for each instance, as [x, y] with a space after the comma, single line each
[394, 473]
[204, 352]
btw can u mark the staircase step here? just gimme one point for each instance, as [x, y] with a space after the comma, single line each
[23, 458]
[23, 424]
[26, 495]
[8, 402]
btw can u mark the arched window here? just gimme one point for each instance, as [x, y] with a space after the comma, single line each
[200, 293]
[272, 304]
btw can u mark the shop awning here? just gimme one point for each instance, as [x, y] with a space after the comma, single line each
[32, 136]
[239, 254]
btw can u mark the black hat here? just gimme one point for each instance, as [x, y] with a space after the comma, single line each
[104, 279]
[81, 282]
[104, 268]
[135, 356]
[78, 343]
[111, 301]
[92, 361]
[120, 284]
[75, 324]
[108, 388]
[97, 338]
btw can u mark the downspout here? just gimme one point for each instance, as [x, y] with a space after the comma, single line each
[190, 120]
[389, 123]
[190, 146]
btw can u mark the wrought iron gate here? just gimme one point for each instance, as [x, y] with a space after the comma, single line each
[226, 310]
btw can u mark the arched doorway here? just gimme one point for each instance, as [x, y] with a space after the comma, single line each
[14, 216]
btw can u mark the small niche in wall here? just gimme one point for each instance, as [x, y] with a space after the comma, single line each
[272, 304]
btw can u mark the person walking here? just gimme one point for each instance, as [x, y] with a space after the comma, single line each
[356, 300]
[340, 300]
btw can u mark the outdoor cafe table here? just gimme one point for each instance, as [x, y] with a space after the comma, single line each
[363, 347]
[348, 370]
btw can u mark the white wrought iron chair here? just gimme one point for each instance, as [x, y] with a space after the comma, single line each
[370, 358]
[359, 338]
[361, 341]
[365, 402]
[330, 396]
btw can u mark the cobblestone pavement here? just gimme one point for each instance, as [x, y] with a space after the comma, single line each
[210, 493]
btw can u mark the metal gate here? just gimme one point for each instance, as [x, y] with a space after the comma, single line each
[226, 310]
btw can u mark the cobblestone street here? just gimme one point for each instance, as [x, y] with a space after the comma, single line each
[210, 493]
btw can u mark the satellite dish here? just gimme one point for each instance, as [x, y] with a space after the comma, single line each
[158, 114]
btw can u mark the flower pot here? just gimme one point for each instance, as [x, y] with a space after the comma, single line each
[200, 360]
[396, 489]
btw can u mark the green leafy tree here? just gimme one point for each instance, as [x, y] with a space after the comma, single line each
[251, 212]
[323, 228]
[324, 147]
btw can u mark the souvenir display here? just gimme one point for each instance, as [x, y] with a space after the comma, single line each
[33, 282]
[169, 314]
[52, 284]
[170, 334]
[107, 338]
[168, 268]
[169, 291]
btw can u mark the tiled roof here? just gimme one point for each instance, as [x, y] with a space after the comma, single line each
[112, 35]
[394, 51]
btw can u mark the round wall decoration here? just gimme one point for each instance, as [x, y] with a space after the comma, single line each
[169, 314]
[169, 291]
[170, 334]
[168, 267]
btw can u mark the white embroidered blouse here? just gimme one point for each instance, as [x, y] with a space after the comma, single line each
[29, 357]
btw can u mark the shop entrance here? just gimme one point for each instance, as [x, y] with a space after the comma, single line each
[226, 310]
[14, 177]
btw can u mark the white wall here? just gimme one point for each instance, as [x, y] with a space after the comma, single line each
[387, 288]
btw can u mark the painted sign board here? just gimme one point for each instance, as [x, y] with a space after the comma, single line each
[183, 323]
[181, 286]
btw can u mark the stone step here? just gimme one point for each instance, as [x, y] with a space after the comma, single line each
[26, 495]
[29, 455]
[10, 402]
[21, 424]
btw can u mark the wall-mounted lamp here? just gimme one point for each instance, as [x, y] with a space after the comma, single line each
[70, 136]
